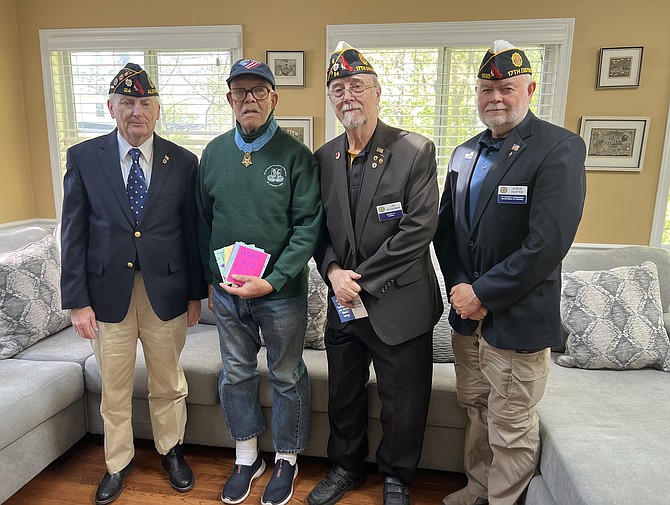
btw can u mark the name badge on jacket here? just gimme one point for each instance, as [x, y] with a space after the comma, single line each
[515, 195]
[389, 211]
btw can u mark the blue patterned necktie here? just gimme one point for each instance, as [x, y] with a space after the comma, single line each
[137, 185]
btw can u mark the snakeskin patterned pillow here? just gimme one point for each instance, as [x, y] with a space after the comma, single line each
[614, 319]
[30, 304]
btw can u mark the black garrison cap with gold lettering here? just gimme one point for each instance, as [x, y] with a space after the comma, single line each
[503, 61]
[132, 80]
[346, 61]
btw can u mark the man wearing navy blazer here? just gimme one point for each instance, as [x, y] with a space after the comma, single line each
[131, 270]
[380, 199]
[512, 202]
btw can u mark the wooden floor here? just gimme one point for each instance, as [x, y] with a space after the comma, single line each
[73, 479]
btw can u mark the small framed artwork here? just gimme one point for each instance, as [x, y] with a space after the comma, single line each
[298, 126]
[619, 67]
[287, 66]
[615, 143]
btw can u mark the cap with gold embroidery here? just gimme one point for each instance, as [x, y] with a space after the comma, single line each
[132, 80]
[503, 61]
[346, 61]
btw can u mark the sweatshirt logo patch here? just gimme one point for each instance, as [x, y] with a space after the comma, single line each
[275, 175]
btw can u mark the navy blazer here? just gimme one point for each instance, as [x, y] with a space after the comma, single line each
[400, 289]
[512, 253]
[100, 241]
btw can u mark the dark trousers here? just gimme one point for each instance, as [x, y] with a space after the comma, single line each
[404, 378]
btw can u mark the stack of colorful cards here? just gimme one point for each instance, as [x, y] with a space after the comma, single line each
[241, 259]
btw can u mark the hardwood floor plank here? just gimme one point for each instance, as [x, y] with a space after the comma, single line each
[73, 479]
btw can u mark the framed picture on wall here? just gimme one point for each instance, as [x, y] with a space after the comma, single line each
[287, 66]
[298, 126]
[615, 143]
[619, 67]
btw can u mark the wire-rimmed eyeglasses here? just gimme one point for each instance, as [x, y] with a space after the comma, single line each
[258, 92]
[336, 93]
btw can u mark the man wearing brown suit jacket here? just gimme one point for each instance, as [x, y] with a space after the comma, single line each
[380, 197]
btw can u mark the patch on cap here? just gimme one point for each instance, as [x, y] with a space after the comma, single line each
[251, 67]
[346, 61]
[503, 61]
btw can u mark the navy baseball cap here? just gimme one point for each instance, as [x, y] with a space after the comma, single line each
[251, 67]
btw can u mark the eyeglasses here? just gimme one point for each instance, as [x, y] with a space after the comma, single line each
[258, 92]
[356, 89]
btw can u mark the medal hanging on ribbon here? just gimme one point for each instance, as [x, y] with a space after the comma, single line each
[250, 147]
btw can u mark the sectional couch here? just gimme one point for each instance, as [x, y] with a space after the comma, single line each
[604, 433]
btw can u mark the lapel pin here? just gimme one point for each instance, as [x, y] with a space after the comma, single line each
[337, 155]
[375, 157]
[166, 159]
[381, 160]
[469, 156]
[374, 165]
[380, 150]
[515, 147]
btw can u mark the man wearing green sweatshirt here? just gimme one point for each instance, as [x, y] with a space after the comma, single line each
[259, 185]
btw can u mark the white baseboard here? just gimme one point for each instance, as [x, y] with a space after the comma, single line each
[43, 222]
[585, 246]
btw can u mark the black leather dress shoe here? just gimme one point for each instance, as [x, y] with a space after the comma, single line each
[111, 485]
[395, 491]
[337, 482]
[181, 476]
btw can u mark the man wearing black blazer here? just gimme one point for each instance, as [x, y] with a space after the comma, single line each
[131, 270]
[380, 198]
[512, 202]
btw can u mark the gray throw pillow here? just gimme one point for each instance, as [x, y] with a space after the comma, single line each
[30, 301]
[614, 319]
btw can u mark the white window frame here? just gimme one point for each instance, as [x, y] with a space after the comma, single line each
[161, 38]
[468, 33]
[662, 192]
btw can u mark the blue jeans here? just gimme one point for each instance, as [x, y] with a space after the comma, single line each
[283, 323]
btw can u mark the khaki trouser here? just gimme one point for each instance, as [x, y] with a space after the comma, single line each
[115, 349]
[500, 390]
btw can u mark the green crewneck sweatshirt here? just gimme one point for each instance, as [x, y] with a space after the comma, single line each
[274, 204]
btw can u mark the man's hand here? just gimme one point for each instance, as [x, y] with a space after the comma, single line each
[193, 312]
[465, 302]
[479, 314]
[344, 284]
[84, 322]
[254, 287]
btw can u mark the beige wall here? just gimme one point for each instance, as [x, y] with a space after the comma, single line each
[16, 186]
[619, 205]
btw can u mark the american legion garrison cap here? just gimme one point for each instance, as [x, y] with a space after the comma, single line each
[132, 80]
[503, 61]
[346, 61]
